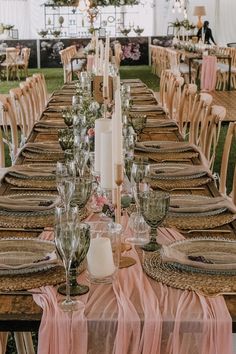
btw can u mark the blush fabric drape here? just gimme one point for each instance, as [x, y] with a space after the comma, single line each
[135, 314]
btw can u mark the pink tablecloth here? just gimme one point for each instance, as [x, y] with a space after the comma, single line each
[136, 315]
[208, 74]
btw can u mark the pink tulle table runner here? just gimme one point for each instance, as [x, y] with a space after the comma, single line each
[135, 315]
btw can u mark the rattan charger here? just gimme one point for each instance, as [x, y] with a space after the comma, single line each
[209, 285]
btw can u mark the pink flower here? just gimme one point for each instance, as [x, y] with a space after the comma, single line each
[91, 132]
[100, 201]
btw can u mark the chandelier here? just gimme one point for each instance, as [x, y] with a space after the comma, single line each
[180, 6]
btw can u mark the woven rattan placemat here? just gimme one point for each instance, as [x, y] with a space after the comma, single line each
[202, 283]
[199, 222]
[31, 183]
[178, 183]
[52, 276]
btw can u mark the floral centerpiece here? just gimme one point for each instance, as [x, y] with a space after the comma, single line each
[93, 3]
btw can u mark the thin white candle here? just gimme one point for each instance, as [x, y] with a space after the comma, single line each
[101, 56]
[96, 53]
[106, 166]
[100, 258]
[106, 69]
[101, 125]
[118, 154]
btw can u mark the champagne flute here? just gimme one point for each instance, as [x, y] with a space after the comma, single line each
[67, 240]
[154, 208]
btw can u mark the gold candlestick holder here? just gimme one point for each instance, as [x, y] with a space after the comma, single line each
[125, 262]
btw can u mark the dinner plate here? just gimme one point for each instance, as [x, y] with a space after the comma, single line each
[196, 199]
[168, 167]
[211, 249]
[26, 255]
[159, 147]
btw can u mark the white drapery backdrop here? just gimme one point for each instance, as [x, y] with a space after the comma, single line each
[28, 17]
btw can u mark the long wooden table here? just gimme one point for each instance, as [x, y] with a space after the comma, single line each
[18, 311]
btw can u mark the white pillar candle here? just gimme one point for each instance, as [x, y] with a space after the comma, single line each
[106, 170]
[106, 68]
[100, 258]
[101, 125]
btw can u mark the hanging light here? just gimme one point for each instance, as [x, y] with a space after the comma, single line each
[180, 6]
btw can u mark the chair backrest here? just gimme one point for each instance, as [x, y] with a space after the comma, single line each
[173, 95]
[198, 114]
[186, 103]
[25, 54]
[229, 140]
[30, 102]
[8, 119]
[210, 132]
[34, 91]
[42, 86]
[17, 99]
[12, 55]
[118, 53]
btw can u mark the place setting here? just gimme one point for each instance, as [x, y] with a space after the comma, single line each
[43, 151]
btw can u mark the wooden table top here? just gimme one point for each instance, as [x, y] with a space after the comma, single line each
[20, 312]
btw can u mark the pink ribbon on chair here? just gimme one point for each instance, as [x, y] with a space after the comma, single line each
[208, 75]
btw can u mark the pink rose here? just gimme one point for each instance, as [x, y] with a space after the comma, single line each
[91, 132]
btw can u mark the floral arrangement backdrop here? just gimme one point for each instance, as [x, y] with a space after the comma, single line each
[135, 50]
[50, 48]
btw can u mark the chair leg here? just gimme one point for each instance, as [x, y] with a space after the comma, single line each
[3, 342]
[28, 343]
[19, 339]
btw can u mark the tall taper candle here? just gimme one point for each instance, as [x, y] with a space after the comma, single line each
[96, 53]
[101, 56]
[106, 69]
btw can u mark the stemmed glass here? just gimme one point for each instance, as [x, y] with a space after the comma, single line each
[139, 172]
[138, 123]
[65, 179]
[154, 207]
[67, 241]
[82, 192]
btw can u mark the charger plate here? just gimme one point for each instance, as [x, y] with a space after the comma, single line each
[199, 222]
[26, 219]
[26, 255]
[52, 276]
[178, 183]
[204, 247]
[43, 155]
[205, 284]
[31, 183]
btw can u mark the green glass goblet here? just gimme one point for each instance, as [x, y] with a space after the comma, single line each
[154, 207]
[78, 258]
[82, 191]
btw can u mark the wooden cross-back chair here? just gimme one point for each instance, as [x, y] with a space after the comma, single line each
[23, 61]
[210, 133]
[229, 141]
[198, 114]
[185, 108]
[8, 120]
[20, 109]
[11, 63]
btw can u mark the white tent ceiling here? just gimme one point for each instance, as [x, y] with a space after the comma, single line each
[28, 17]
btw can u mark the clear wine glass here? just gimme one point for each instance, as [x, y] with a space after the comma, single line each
[81, 158]
[67, 240]
[139, 172]
[65, 179]
[154, 207]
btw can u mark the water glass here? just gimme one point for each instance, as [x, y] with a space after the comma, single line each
[67, 240]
